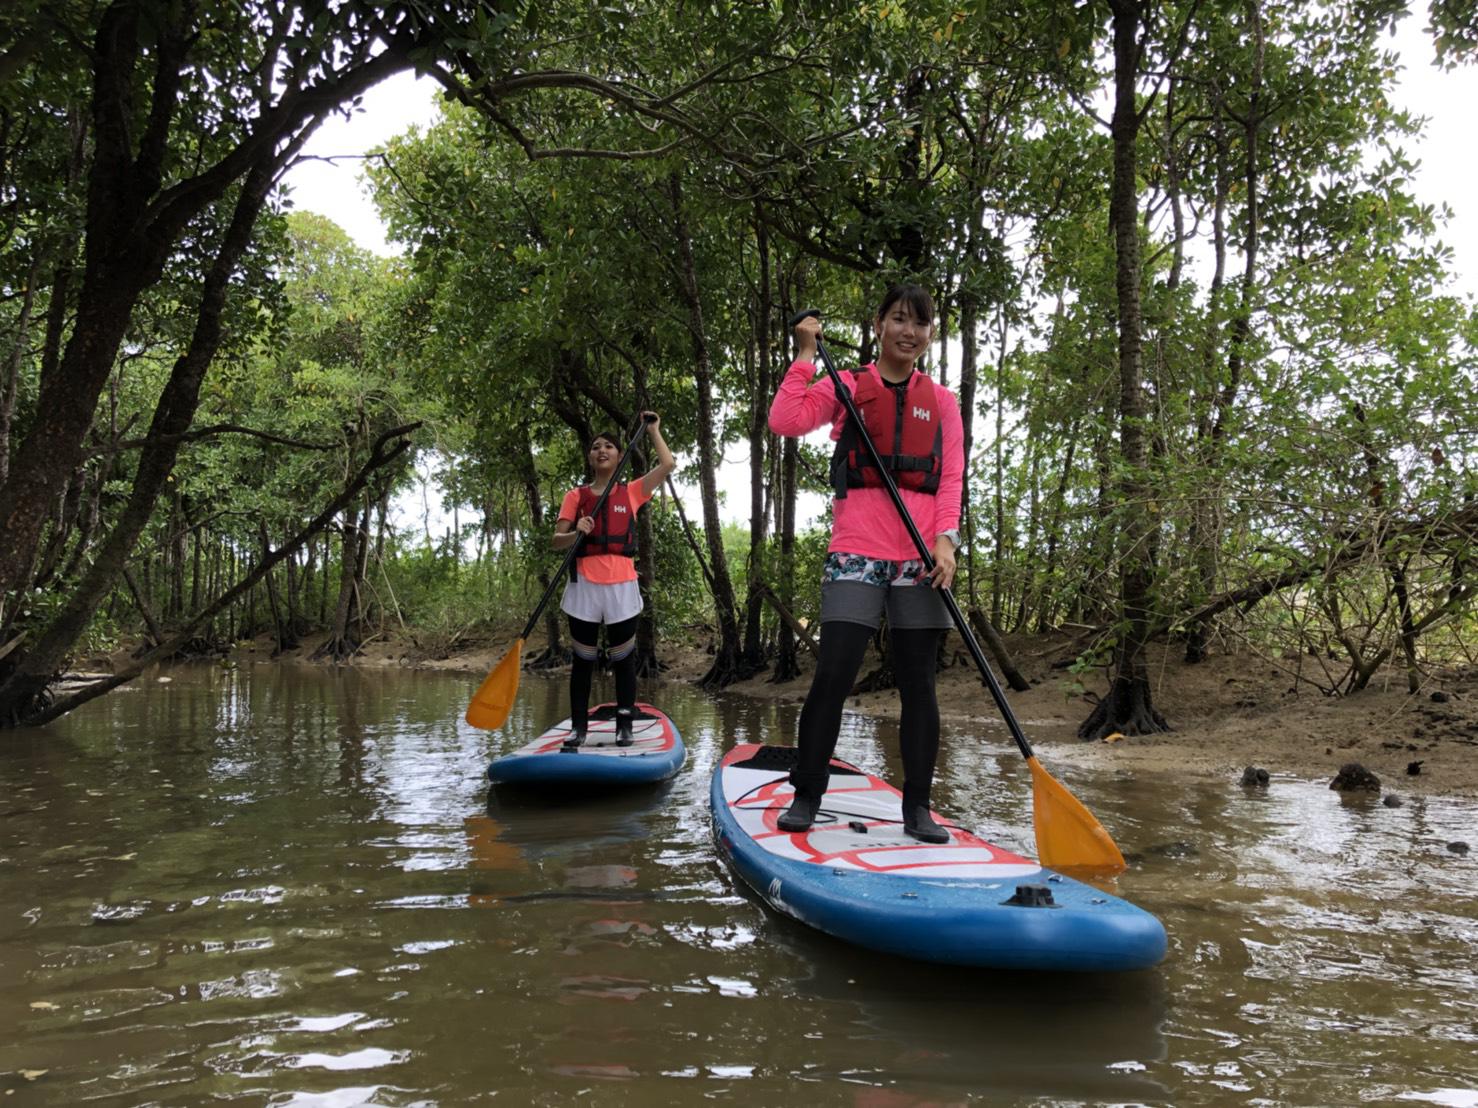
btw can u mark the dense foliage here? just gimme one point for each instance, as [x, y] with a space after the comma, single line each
[1216, 388]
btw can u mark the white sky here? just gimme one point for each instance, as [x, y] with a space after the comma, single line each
[1447, 154]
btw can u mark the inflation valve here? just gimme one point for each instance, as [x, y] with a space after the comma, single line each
[1032, 896]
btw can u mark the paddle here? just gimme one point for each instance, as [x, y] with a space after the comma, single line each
[494, 697]
[1067, 833]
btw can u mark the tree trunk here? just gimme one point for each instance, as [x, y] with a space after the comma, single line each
[1046, 607]
[759, 406]
[997, 601]
[11, 377]
[1209, 542]
[554, 652]
[173, 414]
[196, 534]
[362, 610]
[174, 555]
[728, 665]
[135, 215]
[340, 643]
[382, 455]
[156, 633]
[787, 665]
[1129, 708]
[279, 624]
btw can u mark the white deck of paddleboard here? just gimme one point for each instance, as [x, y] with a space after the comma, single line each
[649, 736]
[756, 797]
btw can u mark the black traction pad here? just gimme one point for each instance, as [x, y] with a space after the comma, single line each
[785, 758]
[608, 712]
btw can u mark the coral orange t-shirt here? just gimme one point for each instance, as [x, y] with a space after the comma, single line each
[605, 569]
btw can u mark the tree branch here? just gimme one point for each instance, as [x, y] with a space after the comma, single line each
[206, 432]
[380, 456]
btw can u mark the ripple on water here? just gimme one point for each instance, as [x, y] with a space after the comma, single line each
[367, 1058]
[327, 893]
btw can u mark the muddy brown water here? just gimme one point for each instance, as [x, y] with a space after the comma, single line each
[290, 886]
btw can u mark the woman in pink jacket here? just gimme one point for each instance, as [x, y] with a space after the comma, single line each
[872, 564]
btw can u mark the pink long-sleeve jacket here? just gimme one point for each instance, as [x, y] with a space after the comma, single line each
[865, 521]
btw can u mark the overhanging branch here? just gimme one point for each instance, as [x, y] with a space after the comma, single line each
[383, 453]
[207, 432]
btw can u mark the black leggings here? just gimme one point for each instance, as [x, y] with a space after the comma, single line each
[915, 658]
[621, 646]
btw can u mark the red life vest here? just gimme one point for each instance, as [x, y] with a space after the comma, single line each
[615, 527]
[904, 424]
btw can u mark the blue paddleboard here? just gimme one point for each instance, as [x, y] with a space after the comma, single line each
[655, 755]
[857, 876]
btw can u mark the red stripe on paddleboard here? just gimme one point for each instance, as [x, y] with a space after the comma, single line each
[556, 736]
[769, 800]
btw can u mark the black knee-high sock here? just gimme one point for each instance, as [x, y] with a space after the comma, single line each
[581, 671]
[842, 648]
[915, 662]
[624, 669]
[621, 640]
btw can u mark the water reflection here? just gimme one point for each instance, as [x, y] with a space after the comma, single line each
[254, 886]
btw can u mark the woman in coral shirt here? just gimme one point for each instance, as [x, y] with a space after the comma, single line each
[603, 584]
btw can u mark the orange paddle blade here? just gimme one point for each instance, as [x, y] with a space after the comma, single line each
[493, 700]
[1067, 833]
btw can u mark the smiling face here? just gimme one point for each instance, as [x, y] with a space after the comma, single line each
[603, 455]
[905, 328]
[904, 333]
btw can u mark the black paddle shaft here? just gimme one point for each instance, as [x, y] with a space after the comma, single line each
[844, 394]
[580, 535]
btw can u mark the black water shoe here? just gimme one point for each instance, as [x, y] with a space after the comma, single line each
[623, 727]
[573, 743]
[801, 813]
[918, 823]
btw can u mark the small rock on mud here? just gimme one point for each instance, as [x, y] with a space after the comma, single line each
[1254, 776]
[1355, 778]
[1391, 800]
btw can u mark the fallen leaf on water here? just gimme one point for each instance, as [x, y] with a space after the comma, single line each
[1115, 737]
[31, 1075]
[44, 1006]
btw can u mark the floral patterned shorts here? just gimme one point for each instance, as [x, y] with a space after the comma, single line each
[857, 589]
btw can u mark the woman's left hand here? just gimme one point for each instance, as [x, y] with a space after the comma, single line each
[942, 576]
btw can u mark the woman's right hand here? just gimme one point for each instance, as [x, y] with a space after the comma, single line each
[807, 335]
[585, 524]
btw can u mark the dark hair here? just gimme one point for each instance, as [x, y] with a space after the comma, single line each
[914, 297]
[603, 435]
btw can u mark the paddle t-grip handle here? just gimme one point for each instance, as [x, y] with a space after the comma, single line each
[803, 314]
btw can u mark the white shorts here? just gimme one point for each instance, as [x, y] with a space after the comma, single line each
[601, 603]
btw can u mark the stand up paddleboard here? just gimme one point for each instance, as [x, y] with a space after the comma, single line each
[857, 876]
[655, 755]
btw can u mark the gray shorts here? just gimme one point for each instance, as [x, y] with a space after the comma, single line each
[857, 589]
